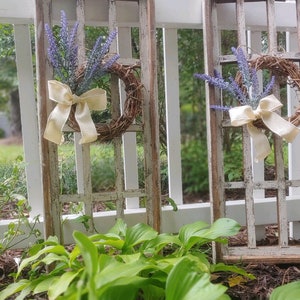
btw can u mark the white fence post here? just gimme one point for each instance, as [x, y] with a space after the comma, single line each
[129, 138]
[172, 114]
[29, 118]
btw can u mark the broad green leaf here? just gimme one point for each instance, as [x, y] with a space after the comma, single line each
[221, 267]
[61, 284]
[137, 234]
[115, 270]
[290, 291]
[29, 288]
[189, 230]
[52, 257]
[123, 288]
[57, 249]
[184, 283]
[74, 255]
[14, 288]
[44, 285]
[88, 251]
[113, 242]
[221, 228]
[129, 258]
[151, 292]
[119, 228]
[155, 245]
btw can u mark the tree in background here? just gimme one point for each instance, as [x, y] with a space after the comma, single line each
[8, 79]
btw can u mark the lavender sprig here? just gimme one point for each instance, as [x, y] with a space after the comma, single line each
[249, 93]
[95, 68]
[63, 56]
[220, 107]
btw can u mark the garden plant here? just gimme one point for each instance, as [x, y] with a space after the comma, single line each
[127, 263]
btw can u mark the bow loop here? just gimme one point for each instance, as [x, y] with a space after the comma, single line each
[61, 93]
[245, 115]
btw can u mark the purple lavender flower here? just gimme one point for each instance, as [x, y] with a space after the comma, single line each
[216, 81]
[95, 68]
[63, 56]
[220, 107]
[236, 91]
[249, 93]
[243, 65]
[268, 88]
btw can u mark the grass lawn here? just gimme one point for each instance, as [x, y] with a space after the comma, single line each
[9, 153]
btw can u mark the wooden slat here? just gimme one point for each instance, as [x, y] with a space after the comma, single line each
[150, 111]
[105, 196]
[115, 105]
[247, 152]
[213, 119]
[268, 254]
[49, 158]
[82, 152]
[278, 143]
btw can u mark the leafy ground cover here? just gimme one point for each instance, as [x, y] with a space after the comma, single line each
[267, 278]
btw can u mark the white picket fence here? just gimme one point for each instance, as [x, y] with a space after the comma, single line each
[184, 14]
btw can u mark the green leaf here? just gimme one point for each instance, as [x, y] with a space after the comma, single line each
[61, 284]
[129, 258]
[184, 283]
[155, 245]
[57, 249]
[189, 233]
[137, 234]
[44, 285]
[290, 291]
[111, 270]
[123, 288]
[151, 292]
[221, 267]
[88, 251]
[14, 288]
[109, 239]
[119, 228]
[220, 228]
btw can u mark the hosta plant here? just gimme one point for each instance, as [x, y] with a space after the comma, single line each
[131, 263]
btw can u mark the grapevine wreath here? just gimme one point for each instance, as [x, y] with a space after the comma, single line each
[258, 109]
[74, 87]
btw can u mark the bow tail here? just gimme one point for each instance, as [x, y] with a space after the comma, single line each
[56, 121]
[86, 124]
[280, 126]
[260, 142]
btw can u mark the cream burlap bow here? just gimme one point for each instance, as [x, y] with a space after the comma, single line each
[265, 111]
[61, 93]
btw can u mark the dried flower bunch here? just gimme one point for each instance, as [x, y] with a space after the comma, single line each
[75, 90]
[63, 56]
[247, 94]
[256, 107]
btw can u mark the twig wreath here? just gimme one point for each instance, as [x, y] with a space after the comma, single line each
[258, 110]
[75, 90]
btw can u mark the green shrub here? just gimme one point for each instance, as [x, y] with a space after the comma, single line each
[127, 263]
[13, 179]
[2, 133]
[194, 167]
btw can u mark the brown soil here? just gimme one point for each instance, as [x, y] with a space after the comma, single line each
[12, 140]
